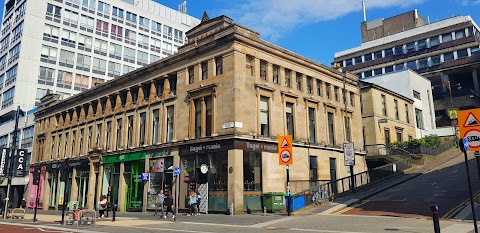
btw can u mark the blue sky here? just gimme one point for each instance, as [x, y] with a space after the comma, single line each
[318, 28]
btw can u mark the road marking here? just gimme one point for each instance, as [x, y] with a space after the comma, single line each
[214, 224]
[166, 229]
[350, 208]
[458, 228]
[59, 229]
[325, 231]
[268, 223]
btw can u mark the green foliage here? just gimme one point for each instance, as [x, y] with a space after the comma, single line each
[427, 141]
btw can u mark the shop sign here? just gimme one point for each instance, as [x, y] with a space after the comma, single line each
[124, 157]
[20, 163]
[4, 161]
[77, 163]
[256, 146]
[207, 147]
[161, 153]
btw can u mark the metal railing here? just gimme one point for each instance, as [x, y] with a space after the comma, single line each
[329, 190]
[297, 186]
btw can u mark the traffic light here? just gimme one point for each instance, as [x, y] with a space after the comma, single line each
[36, 176]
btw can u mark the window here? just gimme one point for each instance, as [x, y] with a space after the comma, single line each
[81, 82]
[288, 77]
[448, 56]
[86, 23]
[129, 55]
[459, 34]
[49, 54]
[103, 9]
[142, 58]
[434, 41]
[97, 81]
[144, 23]
[83, 62]
[66, 58]
[289, 115]
[166, 48]
[399, 136]
[389, 52]
[116, 32]
[118, 14]
[396, 109]
[204, 70]
[263, 69]
[410, 47]
[446, 37]
[11, 75]
[368, 57]
[127, 69]
[407, 115]
[328, 89]
[45, 76]
[85, 43]
[384, 105]
[17, 32]
[219, 65]
[331, 128]
[377, 55]
[1, 81]
[50, 33]
[64, 79]
[115, 51]
[87, 3]
[416, 95]
[114, 69]
[119, 134]
[208, 115]
[410, 137]
[101, 28]
[352, 98]
[70, 18]
[156, 45]
[299, 80]
[421, 44]
[3, 62]
[170, 123]
[131, 19]
[474, 51]
[53, 13]
[348, 62]
[419, 118]
[309, 84]
[167, 32]
[368, 73]
[8, 97]
[422, 63]
[178, 36]
[412, 65]
[312, 129]
[27, 139]
[358, 60]
[252, 172]
[319, 87]
[276, 71]
[264, 116]
[191, 74]
[156, 28]
[143, 120]
[69, 38]
[130, 132]
[335, 93]
[387, 136]
[348, 130]
[435, 60]
[130, 37]
[399, 67]
[462, 53]
[154, 58]
[200, 113]
[399, 50]
[156, 125]
[377, 71]
[388, 69]
[143, 41]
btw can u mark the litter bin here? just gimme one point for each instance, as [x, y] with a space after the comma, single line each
[273, 201]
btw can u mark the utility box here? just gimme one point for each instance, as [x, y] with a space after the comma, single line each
[273, 201]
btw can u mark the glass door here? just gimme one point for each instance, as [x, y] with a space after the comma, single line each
[135, 185]
[52, 182]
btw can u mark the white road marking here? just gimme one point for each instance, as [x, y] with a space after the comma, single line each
[166, 229]
[458, 228]
[265, 224]
[324, 231]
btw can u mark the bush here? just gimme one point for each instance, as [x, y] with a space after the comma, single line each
[427, 141]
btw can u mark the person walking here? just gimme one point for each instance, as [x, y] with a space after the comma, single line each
[192, 201]
[102, 205]
[160, 199]
[169, 205]
[199, 199]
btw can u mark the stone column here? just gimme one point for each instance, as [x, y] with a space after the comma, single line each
[121, 189]
[46, 192]
[74, 188]
[235, 180]
[476, 86]
[99, 183]
[204, 117]
[269, 74]
[92, 182]
[256, 68]
[191, 124]
[58, 192]
[145, 185]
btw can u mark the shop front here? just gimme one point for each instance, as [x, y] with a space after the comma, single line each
[33, 189]
[161, 175]
[124, 188]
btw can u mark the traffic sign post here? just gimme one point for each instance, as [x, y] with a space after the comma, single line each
[469, 127]
[176, 173]
[349, 158]
[285, 157]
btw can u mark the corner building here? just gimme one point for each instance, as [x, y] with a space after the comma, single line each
[221, 102]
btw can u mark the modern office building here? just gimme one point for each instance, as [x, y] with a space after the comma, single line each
[446, 52]
[69, 46]
[215, 110]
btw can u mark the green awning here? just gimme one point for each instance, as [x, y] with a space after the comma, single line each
[124, 157]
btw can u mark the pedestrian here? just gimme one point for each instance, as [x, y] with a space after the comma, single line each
[169, 205]
[160, 199]
[192, 201]
[102, 205]
[199, 199]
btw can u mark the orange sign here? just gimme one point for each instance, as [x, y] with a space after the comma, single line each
[469, 125]
[285, 155]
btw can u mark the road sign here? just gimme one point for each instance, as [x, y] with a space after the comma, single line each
[469, 127]
[349, 153]
[465, 144]
[453, 114]
[145, 176]
[285, 155]
[176, 171]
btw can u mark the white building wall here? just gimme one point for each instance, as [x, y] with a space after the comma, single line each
[404, 83]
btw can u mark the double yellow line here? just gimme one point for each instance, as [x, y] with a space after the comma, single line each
[344, 210]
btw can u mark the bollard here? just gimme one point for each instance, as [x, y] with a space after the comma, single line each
[264, 211]
[114, 212]
[436, 222]
[231, 209]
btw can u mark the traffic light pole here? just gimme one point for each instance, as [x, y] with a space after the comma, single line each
[470, 190]
[10, 164]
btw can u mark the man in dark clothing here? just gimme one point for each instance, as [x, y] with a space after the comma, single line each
[169, 205]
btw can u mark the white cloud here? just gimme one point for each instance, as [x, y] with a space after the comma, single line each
[275, 18]
[469, 2]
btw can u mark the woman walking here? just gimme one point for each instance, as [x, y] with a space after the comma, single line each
[102, 205]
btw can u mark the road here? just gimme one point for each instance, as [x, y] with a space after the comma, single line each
[446, 186]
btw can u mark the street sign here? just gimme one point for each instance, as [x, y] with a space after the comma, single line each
[4, 157]
[145, 176]
[469, 126]
[383, 120]
[20, 163]
[453, 114]
[285, 155]
[176, 171]
[349, 153]
[465, 144]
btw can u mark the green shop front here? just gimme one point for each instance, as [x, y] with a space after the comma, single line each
[122, 180]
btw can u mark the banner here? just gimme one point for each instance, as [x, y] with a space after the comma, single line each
[20, 163]
[4, 158]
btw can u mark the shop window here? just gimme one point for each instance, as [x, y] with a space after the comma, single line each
[252, 171]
